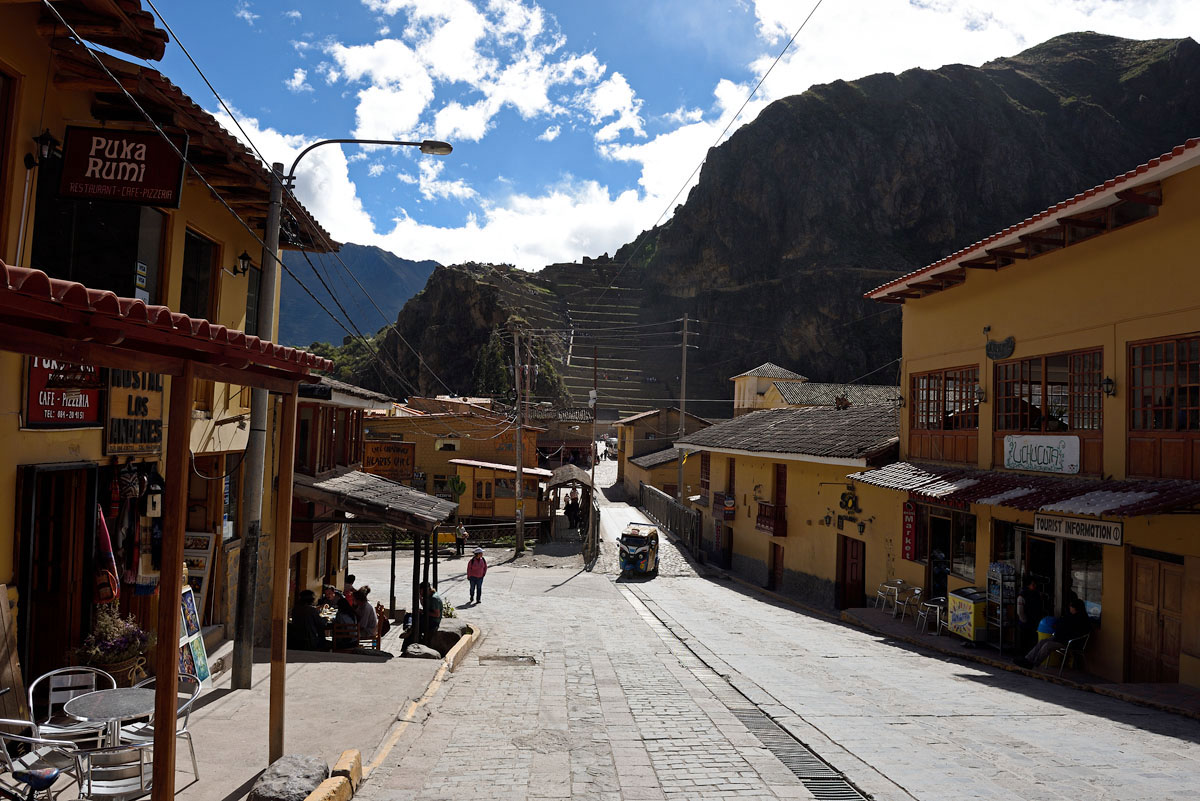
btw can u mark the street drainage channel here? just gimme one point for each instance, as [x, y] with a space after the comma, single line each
[820, 778]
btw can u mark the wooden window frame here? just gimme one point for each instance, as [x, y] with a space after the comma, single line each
[1170, 448]
[944, 426]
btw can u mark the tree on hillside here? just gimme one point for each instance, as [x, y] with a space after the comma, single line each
[491, 374]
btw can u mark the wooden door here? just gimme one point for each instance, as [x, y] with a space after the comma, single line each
[851, 585]
[1156, 620]
[775, 580]
[55, 585]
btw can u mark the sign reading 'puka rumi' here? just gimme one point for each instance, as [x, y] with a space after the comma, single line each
[122, 166]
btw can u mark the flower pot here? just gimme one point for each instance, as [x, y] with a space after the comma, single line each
[127, 672]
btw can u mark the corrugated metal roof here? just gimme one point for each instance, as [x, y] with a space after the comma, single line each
[1036, 493]
[375, 497]
[651, 460]
[503, 468]
[854, 433]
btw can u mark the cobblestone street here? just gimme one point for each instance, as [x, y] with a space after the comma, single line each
[590, 686]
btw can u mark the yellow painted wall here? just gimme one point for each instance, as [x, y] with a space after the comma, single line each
[501, 508]
[1138, 282]
[661, 475]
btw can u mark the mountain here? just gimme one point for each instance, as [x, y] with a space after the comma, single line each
[390, 279]
[824, 196]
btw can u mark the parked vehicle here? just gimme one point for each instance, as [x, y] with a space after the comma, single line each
[638, 546]
[610, 448]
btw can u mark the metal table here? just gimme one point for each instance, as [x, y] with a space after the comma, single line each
[112, 707]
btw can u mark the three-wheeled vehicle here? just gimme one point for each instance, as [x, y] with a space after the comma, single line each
[638, 546]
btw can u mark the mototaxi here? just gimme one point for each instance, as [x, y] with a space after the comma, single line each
[638, 547]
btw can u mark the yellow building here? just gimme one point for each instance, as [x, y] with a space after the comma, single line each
[1052, 420]
[778, 510]
[72, 145]
[439, 438]
[491, 491]
[661, 471]
[646, 433]
[750, 388]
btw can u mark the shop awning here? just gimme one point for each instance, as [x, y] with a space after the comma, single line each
[569, 474]
[502, 468]
[377, 499]
[1030, 493]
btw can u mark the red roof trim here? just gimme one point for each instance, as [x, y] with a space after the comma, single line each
[19, 286]
[904, 280]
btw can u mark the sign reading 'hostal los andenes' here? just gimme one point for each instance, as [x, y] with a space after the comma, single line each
[123, 166]
[135, 406]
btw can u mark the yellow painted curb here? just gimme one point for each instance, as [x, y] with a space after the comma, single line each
[458, 653]
[349, 765]
[335, 788]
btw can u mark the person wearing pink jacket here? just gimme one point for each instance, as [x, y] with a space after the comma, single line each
[476, 570]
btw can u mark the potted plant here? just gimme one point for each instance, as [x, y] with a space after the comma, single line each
[117, 646]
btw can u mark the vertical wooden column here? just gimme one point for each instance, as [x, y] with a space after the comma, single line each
[416, 586]
[170, 584]
[279, 576]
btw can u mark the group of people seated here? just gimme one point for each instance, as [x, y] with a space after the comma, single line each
[350, 606]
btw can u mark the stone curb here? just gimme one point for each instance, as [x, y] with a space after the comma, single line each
[458, 653]
[1100, 689]
[349, 766]
[335, 788]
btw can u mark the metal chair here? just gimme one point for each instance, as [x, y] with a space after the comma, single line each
[936, 606]
[35, 752]
[116, 773]
[1071, 648]
[886, 593]
[61, 686]
[142, 732]
[911, 600]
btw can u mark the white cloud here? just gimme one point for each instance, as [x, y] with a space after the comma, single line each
[432, 186]
[293, 15]
[243, 12]
[328, 72]
[464, 123]
[376, 170]
[400, 89]
[550, 134]
[615, 97]
[682, 115]
[298, 82]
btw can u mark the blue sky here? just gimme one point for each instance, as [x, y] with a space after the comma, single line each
[574, 123]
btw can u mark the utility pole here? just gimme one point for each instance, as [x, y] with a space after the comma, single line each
[519, 490]
[595, 446]
[682, 406]
[256, 450]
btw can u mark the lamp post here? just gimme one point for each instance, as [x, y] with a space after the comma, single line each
[256, 446]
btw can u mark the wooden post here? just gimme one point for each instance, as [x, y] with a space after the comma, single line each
[170, 583]
[416, 588]
[433, 556]
[279, 576]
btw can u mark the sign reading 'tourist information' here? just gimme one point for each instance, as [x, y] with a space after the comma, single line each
[1104, 532]
[122, 166]
[1042, 453]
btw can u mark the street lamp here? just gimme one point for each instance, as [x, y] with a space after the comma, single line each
[430, 147]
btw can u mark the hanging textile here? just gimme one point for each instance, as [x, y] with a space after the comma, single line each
[108, 582]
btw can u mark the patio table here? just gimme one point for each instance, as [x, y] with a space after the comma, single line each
[112, 707]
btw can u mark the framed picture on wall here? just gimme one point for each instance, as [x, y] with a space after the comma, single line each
[197, 555]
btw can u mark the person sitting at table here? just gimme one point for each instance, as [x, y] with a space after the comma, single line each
[306, 632]
[1070, 626]
[330, 596]
[431, 612]
[364, 612]
[346, 615]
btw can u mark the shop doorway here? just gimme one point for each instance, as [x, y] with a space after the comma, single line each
[940, 530]
[851, 586]
[55, 570]
[775, 578]
[1041, 556]
[1156, 619]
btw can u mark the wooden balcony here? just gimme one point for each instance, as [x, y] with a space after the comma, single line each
[770, 519]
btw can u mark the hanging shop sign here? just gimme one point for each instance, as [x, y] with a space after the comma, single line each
[392, 460]
[62, 395]
[1041, 453]
[1104, 532]
[908, 547]
[135, 405]
[122, 166]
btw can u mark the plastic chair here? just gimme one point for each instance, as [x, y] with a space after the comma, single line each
[116, 773]
[61, 686]
[36, 753]
[1071, 648]
[142, 732]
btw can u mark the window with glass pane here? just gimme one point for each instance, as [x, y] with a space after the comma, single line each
[1164, 386]
[945, 400]
[1085, 575]
[1050, 393]
[962, 547]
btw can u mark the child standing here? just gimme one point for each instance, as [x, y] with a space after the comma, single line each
[476, 570]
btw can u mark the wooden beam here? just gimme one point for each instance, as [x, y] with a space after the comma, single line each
[279, 576]
[18, 339]
[1139, 196]
[1009, 252]
[981, 263]
[170, 583]
[1085, 222]
[1040, 238]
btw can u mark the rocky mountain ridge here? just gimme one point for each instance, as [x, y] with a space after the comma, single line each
[824, 196]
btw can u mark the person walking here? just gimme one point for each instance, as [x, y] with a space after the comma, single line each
[476, 570]
[460, 539]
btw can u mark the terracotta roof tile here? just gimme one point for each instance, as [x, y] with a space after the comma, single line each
[853, 433]
[809, 393]
[770, 370]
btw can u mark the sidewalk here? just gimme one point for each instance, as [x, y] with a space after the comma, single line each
[334, 702]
